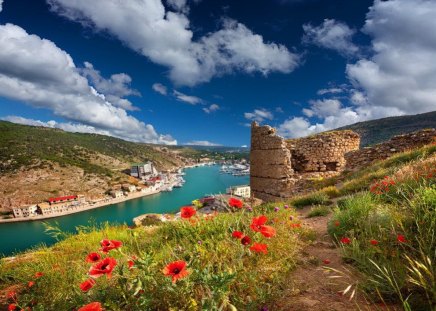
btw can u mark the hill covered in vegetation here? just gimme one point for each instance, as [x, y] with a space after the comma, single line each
[376, 131]
[275, 256]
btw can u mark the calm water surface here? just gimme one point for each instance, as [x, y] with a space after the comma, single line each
[200, 181]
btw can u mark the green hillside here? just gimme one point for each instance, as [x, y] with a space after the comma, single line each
[376, 131]
[22, 145]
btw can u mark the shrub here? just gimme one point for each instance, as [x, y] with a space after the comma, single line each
[320, 210]
[310, 199]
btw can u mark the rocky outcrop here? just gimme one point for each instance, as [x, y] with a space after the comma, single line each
[396, 144]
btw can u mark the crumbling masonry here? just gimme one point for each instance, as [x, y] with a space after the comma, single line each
[281, 168]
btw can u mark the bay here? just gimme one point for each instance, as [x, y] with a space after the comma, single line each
[200, 181]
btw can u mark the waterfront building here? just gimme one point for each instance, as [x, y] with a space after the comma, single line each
[64, 199]
[24, 211]
[129, 188]
[143, 170]
[243, 191]
[45, 208]
[116, 194]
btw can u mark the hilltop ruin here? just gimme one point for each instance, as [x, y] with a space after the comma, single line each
[280, 168]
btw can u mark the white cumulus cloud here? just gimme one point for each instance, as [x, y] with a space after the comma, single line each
[331, 34]
[201, 143]
[211, 108]
[160, 88]
[165, 38]
[192, 100]
[1, 5]
[35, 71]
[259, 115]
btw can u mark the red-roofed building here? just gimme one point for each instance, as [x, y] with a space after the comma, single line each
[67, 198]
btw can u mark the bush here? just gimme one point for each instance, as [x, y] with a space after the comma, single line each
[310, 199]
[319, 211]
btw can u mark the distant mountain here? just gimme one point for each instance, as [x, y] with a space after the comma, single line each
[376, 131]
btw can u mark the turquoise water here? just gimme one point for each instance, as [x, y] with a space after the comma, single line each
[200, 181]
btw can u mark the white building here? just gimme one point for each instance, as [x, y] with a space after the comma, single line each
[129, 188]
[143, 170]
[116, 194]
[25, 211]
[243, 191]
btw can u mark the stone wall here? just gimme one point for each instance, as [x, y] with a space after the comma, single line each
[279, 167]
[400, 143]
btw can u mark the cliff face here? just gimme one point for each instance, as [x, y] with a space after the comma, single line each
[280, 168]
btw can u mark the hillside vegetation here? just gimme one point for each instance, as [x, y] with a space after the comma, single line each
[382, 220]
[376, 131]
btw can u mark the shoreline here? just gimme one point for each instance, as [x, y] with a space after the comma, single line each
[88, 207]
[83, 209]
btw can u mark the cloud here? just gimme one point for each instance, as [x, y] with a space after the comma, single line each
[333, 35]
[401, 75]
[66, 126]
[166, 39]
[201, 143]
[1, 5]
[279, 110]
[259, 115]
[192, 100]
[178, 5]
[160, 88]
[35, 71]
[114, 88]
[322, 108]
[211, 108]
[398, 79]
[333, 90]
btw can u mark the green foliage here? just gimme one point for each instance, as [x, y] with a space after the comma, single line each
[223, 274]
[310, 199]
[394, 269]
[320, 210]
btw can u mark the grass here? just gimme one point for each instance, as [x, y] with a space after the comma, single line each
[318, 211]
[310, 199]
[223, 272]
[393, 238]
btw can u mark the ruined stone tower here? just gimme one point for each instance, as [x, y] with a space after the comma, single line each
[279, 167]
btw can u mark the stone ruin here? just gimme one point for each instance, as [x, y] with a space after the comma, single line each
[281, 168]
[278, 166]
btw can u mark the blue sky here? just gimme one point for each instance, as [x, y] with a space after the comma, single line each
[198, 72]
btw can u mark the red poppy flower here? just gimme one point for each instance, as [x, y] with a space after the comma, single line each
[401, 238]
[30, 284]
[12, 307]
[259, 248]
[93, 257]
[237, 234]
[107, 245]
[267, 231]
[12, 295]
[337, 223]
[130, 264]
[93, 306]
[187, 212]
[245, 240]
[345, 240]
[326, 261]
[258, 222]
[176, 270]
[87, 285]
[296, 225]
[106, 266]
[235, 203]
[38, 274]
[373, 242]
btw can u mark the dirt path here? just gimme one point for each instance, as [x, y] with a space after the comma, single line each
[311, 286]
